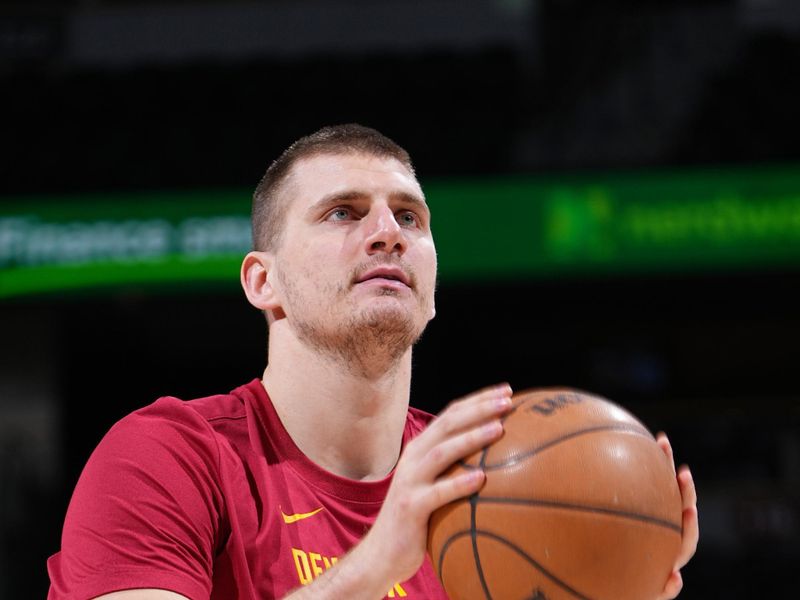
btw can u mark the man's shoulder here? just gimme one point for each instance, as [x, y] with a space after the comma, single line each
[170, 426]
[217, 407]
[195, 422]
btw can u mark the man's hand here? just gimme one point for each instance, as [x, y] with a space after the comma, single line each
[395, 546]
[467, 425]
[691, 529]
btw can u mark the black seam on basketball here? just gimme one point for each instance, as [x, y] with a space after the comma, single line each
[482, 459]
[443, 551]
[473, 508]
[578, 507]
[535, 564]
[563, 438]
[516, 549]
[473, 505]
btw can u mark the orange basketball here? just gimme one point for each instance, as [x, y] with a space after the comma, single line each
[579, 503]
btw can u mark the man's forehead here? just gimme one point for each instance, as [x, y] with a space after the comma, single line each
[328, 172]
[347, 161]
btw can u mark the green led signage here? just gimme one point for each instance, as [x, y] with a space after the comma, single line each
[620, 223]
[488, 229]
[122, 240]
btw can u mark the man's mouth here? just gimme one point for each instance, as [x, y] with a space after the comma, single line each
[387, 274]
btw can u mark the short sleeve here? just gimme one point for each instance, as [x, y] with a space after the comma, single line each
[147, 509]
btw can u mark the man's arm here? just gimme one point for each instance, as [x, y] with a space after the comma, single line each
[394, 548]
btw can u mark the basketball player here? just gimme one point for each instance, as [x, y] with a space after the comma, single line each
[317, 480]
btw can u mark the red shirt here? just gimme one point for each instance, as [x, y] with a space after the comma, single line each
[211, 498]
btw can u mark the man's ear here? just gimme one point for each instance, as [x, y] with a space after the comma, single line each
[257, 282]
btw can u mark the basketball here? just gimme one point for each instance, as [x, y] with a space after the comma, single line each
[579, 502]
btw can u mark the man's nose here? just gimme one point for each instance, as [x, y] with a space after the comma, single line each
[384, 233]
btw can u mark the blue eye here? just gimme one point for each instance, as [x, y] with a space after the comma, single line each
[407, 219]
[339, 214]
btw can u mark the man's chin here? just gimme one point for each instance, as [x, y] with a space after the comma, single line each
[386, 313]
[391, 318]
[371, 339]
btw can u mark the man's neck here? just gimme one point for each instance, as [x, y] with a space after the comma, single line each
[348, 423]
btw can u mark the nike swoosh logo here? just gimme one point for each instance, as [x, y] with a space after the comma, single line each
[299, 516]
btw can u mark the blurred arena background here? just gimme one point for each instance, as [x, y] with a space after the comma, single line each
[616, 197]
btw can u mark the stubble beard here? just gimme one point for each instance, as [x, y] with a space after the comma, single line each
[368, 342]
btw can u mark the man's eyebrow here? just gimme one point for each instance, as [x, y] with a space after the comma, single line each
[334, 198]
[412, 199]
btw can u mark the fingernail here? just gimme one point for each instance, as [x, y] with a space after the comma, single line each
[476, 475]
[492, 428]
[502, 402]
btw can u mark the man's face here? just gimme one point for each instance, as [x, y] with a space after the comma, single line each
[355, 268]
